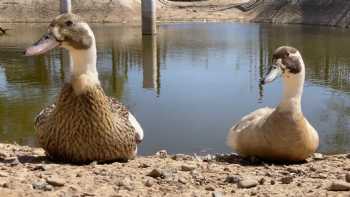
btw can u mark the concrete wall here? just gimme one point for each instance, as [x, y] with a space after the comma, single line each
[91, 10]
[315, 12]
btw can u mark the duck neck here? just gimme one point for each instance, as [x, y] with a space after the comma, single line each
[293, 85]
[83, 72]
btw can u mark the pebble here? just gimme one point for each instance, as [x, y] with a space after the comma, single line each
[155, 173]
[149, 183]
[40, 185]
[3, 174]
[348, 156]
[179, 157]
[232, 179]
[347, 177]
[248, 183]
[318, 156]
[15, 161]
[55, 181]
[339, 186]
[287, 180]
[262, 181]
[144, 165]
[40, 167]
[216, 194]
[187, 168]
[162, 154]
[125, 183]
[210, 188]
[4, 184]
[182, 180]
[272, 182]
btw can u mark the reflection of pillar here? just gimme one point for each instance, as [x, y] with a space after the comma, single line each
[151, 73]
[65, 6]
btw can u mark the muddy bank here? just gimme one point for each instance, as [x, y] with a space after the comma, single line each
[330, 12]
[311, 12]
[315, 12]
[25, 171]
[36, 11]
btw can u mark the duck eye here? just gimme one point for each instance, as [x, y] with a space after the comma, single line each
[69, 23]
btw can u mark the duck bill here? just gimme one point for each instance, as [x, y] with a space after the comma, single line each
[272, 75]
[45, 44]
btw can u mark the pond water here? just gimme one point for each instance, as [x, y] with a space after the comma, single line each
[188, 85]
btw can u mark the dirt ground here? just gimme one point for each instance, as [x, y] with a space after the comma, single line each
[25, 171]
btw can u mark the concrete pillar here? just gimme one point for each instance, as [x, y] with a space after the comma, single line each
[65, 6]
[151, 72]
[149, 26]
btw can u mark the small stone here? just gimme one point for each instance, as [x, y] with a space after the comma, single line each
[339, 186]
[125, 183]
[179, 157]
[188, 167]
[3, 174]
[248, 183]
[210, 188]
[318, 156]
[3, 155]
[216, 194]
[144, 165]
[262, 181]
[287, 180]
[232, 179]
[40, 168]
[313, 169]
[208, 158]
[155, 173]
[39, 185]
[348, 156]
[347, 177]
[93, 164]
[149, 183]
[4, 184]
[14, 161]
[55, 181]
[162, 154]
[272, 182]
[182, 180]
[299, 184]
[79, 174]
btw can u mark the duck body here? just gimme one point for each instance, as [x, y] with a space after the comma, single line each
[84, 124]
[86, 127]
[280, 134]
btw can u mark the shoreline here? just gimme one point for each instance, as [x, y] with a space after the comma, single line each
[25, 171]
[306, 12]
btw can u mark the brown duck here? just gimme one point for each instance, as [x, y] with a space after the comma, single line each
[84, 124]
[282, 133]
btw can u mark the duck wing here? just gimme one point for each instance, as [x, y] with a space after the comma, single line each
[42, 116]
[244, 132]
[123, 112]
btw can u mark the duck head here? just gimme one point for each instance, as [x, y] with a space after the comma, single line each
[67, 31]
[286, 62]
[70, 32]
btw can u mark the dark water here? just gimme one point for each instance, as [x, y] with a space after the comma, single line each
[189, 84]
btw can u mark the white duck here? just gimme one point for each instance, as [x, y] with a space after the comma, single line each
[283, 133]
[84, 124]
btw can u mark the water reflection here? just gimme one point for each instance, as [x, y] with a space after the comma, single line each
[204, 76]
[151, 71]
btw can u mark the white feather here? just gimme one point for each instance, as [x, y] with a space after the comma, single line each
[137, 126]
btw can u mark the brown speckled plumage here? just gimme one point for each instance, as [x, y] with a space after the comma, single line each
[86, 127]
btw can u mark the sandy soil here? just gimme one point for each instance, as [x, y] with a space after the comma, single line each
[25, 171]
[208, 10]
